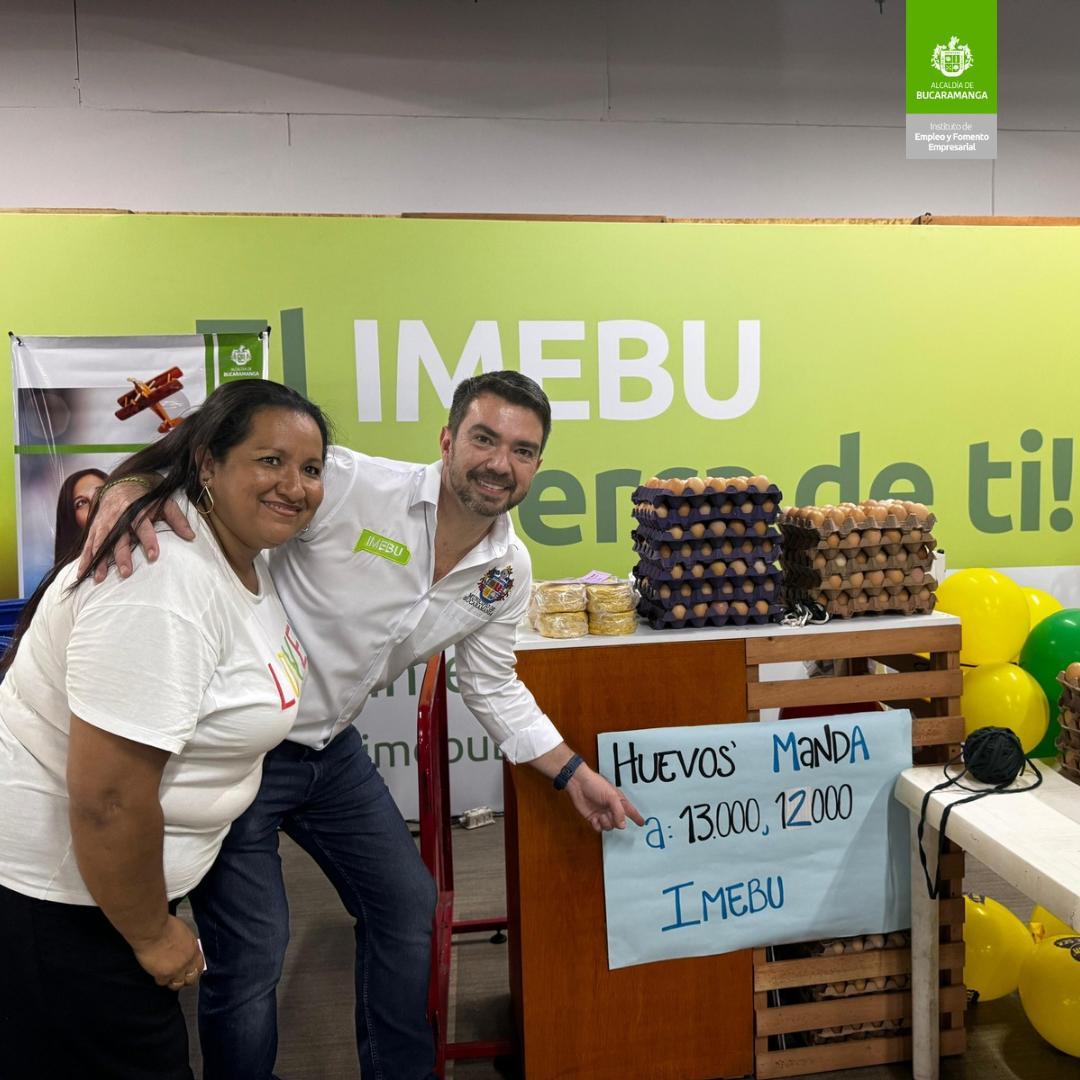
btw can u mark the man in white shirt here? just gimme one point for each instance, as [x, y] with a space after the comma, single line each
[400, 562]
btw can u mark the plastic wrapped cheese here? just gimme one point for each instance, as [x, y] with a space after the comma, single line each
[612, 622]
[562, 624]
[612, 596]
[559, 596]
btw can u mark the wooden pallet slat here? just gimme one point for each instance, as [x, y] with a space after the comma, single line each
[786, 647]
[836, 690]
[849, 1055]
[810, 971]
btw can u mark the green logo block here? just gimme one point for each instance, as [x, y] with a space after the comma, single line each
[382, 546]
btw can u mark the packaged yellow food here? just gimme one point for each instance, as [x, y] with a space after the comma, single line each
[562, 624]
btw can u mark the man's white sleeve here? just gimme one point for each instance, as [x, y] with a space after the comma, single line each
[494, 694]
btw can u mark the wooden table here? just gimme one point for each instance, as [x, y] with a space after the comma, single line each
[707, 1016]
[1031, 839]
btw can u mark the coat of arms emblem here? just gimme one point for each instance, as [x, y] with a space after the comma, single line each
[952, 59]
[495, 585]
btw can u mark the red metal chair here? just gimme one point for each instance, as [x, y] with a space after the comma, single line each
[436, 849]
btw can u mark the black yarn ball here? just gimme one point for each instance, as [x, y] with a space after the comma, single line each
[994, 755]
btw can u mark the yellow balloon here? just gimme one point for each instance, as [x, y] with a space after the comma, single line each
[1050, 924]
[993, 612]
[1040, 604]
[996, 943]
[1004, 695]
[1050, 992]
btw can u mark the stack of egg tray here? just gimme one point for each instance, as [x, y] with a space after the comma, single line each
[707, 559]
[860, 568]
[1068, 740]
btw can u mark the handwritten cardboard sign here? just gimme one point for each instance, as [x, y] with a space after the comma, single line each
[756, 834]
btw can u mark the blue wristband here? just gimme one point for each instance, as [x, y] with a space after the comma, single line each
[566, 772]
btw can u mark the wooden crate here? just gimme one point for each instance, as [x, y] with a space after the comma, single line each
[931, 687]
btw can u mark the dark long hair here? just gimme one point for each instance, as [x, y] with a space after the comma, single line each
[222, 422]
[68, 531]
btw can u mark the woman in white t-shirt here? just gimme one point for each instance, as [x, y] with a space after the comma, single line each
[133, 723]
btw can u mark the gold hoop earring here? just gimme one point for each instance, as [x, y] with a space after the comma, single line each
[206, 494]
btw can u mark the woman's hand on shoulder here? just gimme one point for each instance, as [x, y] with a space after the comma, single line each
[113, 501]
[174, 958]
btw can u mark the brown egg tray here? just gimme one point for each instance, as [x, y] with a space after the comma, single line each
[691, 509]
[749, 588]
[828, 527]
[892, 540]
[865, 559]
[718, 613]
[883, 603]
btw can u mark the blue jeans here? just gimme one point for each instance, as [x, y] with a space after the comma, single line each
[335, 805]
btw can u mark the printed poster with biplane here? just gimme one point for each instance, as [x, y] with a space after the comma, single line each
[84, 404]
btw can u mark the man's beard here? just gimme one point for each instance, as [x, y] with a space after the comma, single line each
[471, 500]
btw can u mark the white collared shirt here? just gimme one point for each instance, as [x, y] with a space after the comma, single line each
[358, 589]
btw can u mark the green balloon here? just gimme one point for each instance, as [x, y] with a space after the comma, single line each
[1051, 647]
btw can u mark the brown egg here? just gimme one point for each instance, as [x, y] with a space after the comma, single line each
[861, 559]
[769, 505]
[924, 595]
[706, 549]
[686, 590]
[719, 607]
[761, 607]
[746, 507]
[767, 546]
[676, 572]
[858, 515]
[879, 558]
[727, 548]
[697, 570]
[917, 574]
[759, 482]
[665, 551]
[915, 536]
[717, 528]
[832, 540]
[819, 560]
[684, 509]
[921, 512]
[902, 597]
[894, 577]
[706, 588]
[769, 585]
[759, 528]
[817, 518]
[851, 541]
[740, 608]
[675, 485]
[700, 611]
[892, 536]
[748, 587]
[686, 551]
[679, 611]
[1072, 672]
[653, 482]
[871, 537]
[878, 512]
[875, 579]
[705, 509]
[834, 581]
[661, 511]
[737, 528]
[697, 530]
[694, 486]
[738, 483]
[727, 588]
[738, 566]
[855, 579]
[726, 507]
[665, 592]
[837, 516]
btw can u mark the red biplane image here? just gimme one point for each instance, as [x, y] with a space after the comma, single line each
[148, 395]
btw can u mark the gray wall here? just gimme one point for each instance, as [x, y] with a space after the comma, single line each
[687, 108]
